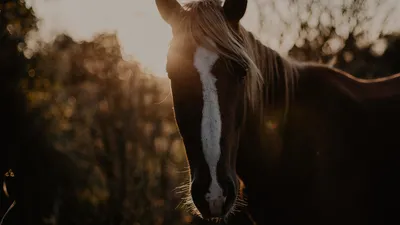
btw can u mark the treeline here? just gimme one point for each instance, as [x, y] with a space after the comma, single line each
[89, 137]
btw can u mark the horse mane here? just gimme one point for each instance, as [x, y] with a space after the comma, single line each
[208, 27]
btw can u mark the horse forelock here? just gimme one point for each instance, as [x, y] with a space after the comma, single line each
[207, 27]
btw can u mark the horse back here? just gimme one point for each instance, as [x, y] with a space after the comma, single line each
[364, 118]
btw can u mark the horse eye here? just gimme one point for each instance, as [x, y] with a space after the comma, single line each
[243, 76]
[239, 69]
[243, 71]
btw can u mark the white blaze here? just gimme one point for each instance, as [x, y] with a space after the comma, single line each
[210, 124]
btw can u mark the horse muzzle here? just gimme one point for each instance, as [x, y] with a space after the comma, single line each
[215, 199]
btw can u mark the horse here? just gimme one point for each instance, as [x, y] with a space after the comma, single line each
[290, 142]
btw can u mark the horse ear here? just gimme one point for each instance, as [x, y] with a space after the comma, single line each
[235, 9]
[168, 9]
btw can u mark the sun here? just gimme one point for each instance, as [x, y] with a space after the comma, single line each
[147, 39]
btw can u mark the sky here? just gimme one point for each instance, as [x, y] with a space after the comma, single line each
[141, 31]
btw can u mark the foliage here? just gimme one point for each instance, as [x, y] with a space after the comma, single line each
[349, 35]
[98, 144]
[109, 117]
[15, 21]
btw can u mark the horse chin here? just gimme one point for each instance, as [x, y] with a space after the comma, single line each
[216, 219]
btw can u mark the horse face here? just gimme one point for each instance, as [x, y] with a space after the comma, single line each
[208, 96]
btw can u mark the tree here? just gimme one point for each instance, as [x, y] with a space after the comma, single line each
[23, 147]
[347, 35]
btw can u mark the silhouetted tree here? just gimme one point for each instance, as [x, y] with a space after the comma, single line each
[116, 124]
[24, 149]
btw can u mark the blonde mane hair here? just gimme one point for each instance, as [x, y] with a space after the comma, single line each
[207, 26]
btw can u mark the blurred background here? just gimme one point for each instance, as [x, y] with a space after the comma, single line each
[88, 135]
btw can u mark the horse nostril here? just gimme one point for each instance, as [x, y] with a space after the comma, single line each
[229, 188]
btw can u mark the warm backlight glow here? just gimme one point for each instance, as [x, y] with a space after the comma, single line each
[145, 36]
[141, 31]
